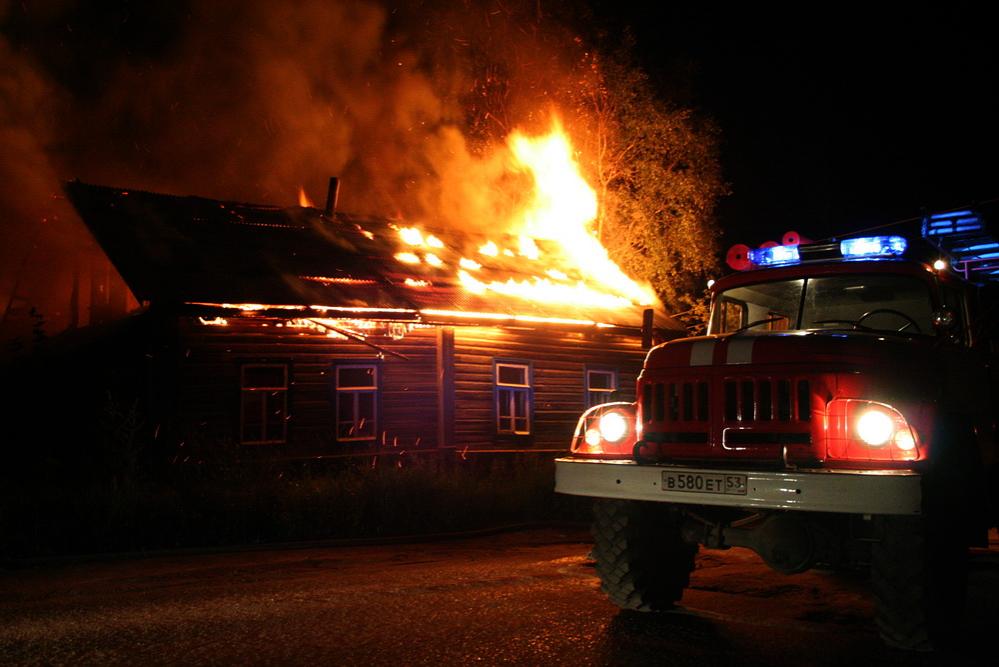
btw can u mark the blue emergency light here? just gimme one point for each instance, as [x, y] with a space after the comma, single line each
[873, 246]
[867, 247]
[777, 255]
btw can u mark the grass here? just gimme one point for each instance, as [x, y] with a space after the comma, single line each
[60, 511]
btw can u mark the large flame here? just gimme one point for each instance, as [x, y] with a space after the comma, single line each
[563, 209]
[553, 242]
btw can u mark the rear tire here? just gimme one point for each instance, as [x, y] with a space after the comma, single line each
[642, 560]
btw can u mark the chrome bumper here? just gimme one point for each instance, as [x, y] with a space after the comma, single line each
[825, 490]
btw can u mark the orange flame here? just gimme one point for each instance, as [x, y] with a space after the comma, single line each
[553, 234]
[303, 199]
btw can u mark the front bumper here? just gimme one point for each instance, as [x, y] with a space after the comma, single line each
[817, 490]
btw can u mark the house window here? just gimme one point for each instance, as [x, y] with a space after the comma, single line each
[356, 402]
[263, 404]
[513, 398]
[601, 386]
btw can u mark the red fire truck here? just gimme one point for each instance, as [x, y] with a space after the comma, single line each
[840, 412]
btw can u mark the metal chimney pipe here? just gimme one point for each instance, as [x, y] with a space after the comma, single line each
[332, 194]
[647, 323]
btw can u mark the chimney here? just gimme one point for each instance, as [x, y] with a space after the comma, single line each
[331, 196]
[647, 323]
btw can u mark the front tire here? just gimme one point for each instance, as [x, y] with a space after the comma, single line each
[919, 578]
[642, 560]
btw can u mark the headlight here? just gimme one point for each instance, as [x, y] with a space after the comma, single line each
[875, 427]
[861, 430]
[607, 431]
[613, 426]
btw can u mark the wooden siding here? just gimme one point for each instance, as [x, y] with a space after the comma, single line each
[442, 394]
[208, 401]
[558, 361]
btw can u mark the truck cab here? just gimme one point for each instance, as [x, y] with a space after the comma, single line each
[840, 411]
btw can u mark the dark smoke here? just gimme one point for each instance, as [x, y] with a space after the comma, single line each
[251, 100]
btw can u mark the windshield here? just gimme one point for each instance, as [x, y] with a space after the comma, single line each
[883, 303]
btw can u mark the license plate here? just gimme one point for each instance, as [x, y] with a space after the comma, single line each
[701, 482]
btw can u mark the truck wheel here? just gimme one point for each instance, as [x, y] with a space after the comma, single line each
[642, 560]
[919, 577]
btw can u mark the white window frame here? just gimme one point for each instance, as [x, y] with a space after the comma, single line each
[507, 393]
[355, 392]
[598, 395]
[265, 406]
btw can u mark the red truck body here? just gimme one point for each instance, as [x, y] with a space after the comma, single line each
[840, 412]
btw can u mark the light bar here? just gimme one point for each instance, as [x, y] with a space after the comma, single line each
[954, 222]
[873, 246]
[777, 255]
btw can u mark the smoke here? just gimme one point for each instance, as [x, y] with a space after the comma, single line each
[252, 100]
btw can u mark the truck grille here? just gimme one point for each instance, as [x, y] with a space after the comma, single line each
[767, 400]
[745, 400]
[676, 401]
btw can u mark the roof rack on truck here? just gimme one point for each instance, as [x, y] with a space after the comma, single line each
[965, 238]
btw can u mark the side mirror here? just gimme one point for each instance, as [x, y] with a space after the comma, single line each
[943, 319]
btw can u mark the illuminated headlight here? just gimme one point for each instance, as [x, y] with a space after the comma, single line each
[607, 431]
[875, 427]
[862, 430]
[613, 427]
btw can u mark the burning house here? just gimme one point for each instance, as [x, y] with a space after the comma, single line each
[302, 331]
[310, 332]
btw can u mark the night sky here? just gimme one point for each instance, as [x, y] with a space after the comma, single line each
[837, 117]
[833, 118]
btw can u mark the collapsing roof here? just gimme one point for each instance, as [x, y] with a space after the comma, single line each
[224, 256]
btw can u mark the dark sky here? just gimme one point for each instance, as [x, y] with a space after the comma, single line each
[836, 117]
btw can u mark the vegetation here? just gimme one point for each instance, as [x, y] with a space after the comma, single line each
[55, 510]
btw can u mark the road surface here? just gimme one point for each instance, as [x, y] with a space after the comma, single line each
[522, 598]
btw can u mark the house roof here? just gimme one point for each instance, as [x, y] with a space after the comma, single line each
[214, 254]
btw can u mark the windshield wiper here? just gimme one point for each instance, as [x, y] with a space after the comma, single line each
[758, 323]
[857, 326]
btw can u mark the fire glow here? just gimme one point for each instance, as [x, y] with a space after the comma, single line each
[551, 237]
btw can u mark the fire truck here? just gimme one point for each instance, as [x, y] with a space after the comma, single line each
[840, 412]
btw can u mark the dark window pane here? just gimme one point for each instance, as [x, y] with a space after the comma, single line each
[355, 377]
[366, 405]
[264, 377]
[520, 406]
[601, 380]
[512, 375]
[504, 408]
[253, 408]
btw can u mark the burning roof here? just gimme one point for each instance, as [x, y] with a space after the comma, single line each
[227, 256]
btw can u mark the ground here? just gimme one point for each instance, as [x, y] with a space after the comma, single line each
[528, 597]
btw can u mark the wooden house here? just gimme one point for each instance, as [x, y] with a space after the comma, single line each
[301, 332]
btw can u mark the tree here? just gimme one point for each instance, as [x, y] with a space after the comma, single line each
[658, 175]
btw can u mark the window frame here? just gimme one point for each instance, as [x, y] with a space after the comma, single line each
[244, 390]
[355, 392]
[589, 391]
[513, 390]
